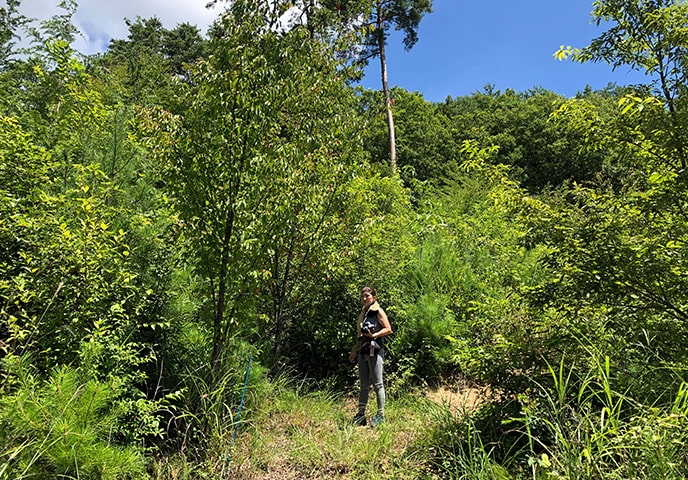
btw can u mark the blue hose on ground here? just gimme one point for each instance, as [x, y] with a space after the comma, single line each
[241, 404]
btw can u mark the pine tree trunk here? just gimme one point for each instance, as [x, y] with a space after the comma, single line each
[385, 91]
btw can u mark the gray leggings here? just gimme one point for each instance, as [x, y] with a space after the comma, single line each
[370, 371]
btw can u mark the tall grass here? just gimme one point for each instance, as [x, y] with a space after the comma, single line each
[457, 449]
[585, 429]
[577, 426]
[203, 420]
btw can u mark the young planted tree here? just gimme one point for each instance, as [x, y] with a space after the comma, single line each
[253, 162]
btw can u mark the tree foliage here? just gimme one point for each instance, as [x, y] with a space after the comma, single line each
[256, 162]
[649, 36]
[179, 204]
[619, 256]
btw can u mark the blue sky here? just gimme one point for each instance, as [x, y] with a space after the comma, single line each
[465, 45]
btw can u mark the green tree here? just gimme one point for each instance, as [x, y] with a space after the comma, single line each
[182, 46]
[352, 24]
[404, 15]
[648, 36]
[11, 22]
[617, 260]
[427, 151]
[320, 136]
[179, 47]
[541, 152]
[143, 68]
[264, 127]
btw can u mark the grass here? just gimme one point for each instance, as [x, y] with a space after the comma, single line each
[575, 430]
[289, 431]
[599, 436]
[310, 435]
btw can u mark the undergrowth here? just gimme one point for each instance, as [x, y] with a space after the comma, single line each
[294, 433]
[575, 428]
[299, 434]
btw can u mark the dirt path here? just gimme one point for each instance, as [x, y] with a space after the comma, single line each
[459, 398]
[311, 437]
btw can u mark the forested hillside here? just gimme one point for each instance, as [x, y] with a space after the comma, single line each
[186, 222]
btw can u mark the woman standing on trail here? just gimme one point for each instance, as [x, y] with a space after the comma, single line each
[369, 350]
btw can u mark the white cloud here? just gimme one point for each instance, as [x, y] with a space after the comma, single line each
[291, 18]
[102, 20]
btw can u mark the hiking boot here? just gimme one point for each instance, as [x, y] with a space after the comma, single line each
[377, 420]
[359, 420]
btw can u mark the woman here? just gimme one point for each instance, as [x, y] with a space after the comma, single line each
[369, 350]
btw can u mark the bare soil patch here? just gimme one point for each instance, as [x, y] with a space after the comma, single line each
[460, 398]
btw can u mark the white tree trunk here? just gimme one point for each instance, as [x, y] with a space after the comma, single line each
[385, 91]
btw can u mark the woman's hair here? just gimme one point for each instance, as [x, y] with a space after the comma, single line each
[369, 290]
